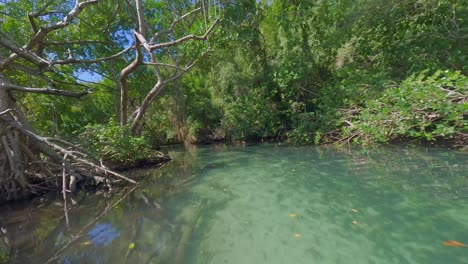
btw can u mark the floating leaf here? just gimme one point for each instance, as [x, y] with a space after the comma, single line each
[454, 243]
[297, 235]
[354, 210]
[292, 215]
[131, 246]
[355, 222]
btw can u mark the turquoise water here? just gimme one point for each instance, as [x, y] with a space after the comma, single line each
[268, 204]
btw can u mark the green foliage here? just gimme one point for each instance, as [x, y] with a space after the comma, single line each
[303, 125]
[310, 71]
[114, 143]
[421, 107]
[251, 117]
[67, 117]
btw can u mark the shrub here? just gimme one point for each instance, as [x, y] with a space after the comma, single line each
[114, 143]
[421, 107]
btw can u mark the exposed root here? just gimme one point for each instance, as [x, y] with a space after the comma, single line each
[30, 163]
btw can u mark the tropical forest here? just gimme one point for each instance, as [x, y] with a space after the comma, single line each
[233, 131]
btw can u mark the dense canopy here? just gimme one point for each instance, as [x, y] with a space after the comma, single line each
[150, 72]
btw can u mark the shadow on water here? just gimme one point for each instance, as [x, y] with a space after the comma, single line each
[259, 204]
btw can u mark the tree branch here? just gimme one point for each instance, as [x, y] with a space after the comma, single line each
[65, 43]
[182, 72]
[163, 65]
[13, 87]
[174, 23]
[41, 10]
[74, 61]
[42, 140]
[24, 53]
[5, 112]
[123, 81]
[41, 34]
[184, 39]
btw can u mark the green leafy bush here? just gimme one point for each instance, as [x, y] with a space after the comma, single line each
[251, 117]
[302, 126]
[115, 144]
[421, 107]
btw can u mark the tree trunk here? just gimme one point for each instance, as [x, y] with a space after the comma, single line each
[139, 114]
[30, 164]
[12, 178]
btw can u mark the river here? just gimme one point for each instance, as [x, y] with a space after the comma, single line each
[265, 203]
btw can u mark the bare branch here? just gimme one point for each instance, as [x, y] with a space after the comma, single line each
[163, 65]
[74, 61]
[156, 69]
[24, 53]
[52, 12]
[184, 39]
[5, 112]
[174, 23]
[142, 40]
[13, 87]
[182, 72]
[141, 17]
[123, 81]
[32, 22]
[65, 43]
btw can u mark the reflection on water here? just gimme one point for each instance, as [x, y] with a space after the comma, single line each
[260, 204]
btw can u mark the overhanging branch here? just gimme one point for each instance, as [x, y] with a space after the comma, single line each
[75, 61]
[174, 23]
[40, 34]
[58, 92]
[184, 39]
[24, 53]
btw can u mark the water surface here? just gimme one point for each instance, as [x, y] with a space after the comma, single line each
[261, 204]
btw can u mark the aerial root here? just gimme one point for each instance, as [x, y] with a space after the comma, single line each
[30, 163]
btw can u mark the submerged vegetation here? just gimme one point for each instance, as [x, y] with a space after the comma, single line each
[149, 73]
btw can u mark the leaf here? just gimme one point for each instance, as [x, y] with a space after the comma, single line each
[355, 222]
[454, 243]
[131, 246]
[297, 235]
[292, 215]
[354, 210]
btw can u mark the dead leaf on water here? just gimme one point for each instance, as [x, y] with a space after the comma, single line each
[355, 222]
[354, 210]
[297, 235]
[454, 243]
[292, 215]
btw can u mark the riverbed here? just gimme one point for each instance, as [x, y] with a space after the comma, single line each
[265, 203]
